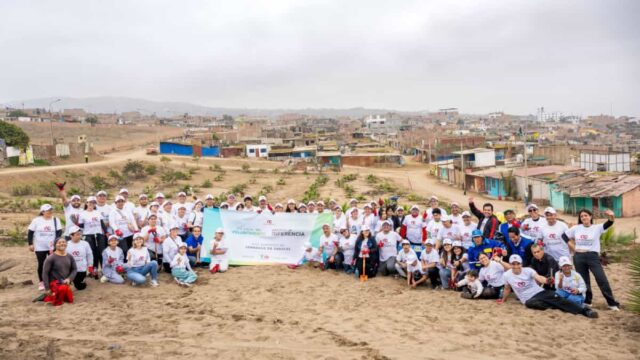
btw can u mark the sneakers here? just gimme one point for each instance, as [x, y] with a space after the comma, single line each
[104, 279]
[133, 284]
[614, 308]
[186, 284]
[41, 286]
[592, 314]
[154, 283]
[466, 295]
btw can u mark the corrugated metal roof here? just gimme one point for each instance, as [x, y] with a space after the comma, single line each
[591, 185]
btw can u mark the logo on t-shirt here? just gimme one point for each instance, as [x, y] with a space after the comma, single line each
[521, 284]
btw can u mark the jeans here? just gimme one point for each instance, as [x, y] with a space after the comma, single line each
[445, 276]
[349, 269]
[590, 262]
[138, 274]
[576, 298]
[387, 267]
[548, 299]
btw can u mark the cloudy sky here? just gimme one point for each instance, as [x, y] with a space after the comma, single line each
[580, 57]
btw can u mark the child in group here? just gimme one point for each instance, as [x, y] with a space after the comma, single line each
[83, 256]
[194, 244]
[569, 284]
[219, 258]
[140, 264]
[312, 257]
[170, 247]
[112, 262]
[415, 272]
[430, 260]
[472, 287]
[347, 248]
[180, 268]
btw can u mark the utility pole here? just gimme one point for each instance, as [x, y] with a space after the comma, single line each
[51, 119]
[526, 177]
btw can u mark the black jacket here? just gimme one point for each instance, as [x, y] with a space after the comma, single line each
[547, 267]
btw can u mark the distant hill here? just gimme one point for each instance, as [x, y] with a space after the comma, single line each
[111, 104]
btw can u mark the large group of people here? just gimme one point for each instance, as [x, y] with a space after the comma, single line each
[546, 263]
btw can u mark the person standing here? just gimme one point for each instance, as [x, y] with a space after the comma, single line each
[532, 225]
[123, 223]
[72, 208]
[488, 223]
[584, 238]
[551, 235]
[58, 271]
[219, 257]
[41, 235]
[93, 231]
[329, 246]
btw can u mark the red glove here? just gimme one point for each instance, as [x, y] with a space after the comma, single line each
[381, 244]
[156, 239]
[365, 252]
[119, 269]
[153, 231]
[111, 260]
[119, 233]
[380, 202]
[91, 270]
[186, 227]
[61, 185]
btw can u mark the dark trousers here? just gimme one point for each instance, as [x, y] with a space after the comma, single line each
[434, 276]
[98, 243]
[41, 256]
[125, 244]
[336, 264]
[548, 299]
[78, 281]
[590, 262]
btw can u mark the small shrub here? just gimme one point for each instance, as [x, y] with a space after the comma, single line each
[206, 184]
[41, 162]
[218, 177]
[262, 171]
[151, 169]
[246, 167]
[276, 171]
[281, 181]
[372, 179]
[22, 190]
[134, 169]
[98, 182]
[238, 188]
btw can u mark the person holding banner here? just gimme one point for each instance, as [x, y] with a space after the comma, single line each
[278, 208]
[219, 258]
[347, 248]
[387, 240]
[329, 247]
[366, 248]
[302, 208]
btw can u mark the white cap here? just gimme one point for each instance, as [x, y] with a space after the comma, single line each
[405, 241]
[515, 258]
[466, 213]
[198, 201]
[430, 242]
[262, 198]
[152, 214]
[154, 203]
[455, 203]
[74, 229]
[101, 192]
[550, 210]
[220, 230]
[182, 193]
[182, 244]
[367, 206]
[387, 222]
[119, 198]
[337, 207]
[532, 206]
[332, 201]
[326, 224]
[447, 242]
[564, 260]
[159, 195]
[343, 228]
[143, 196]
[457, 243]
[445, 218]
[113, 236]
[278, 205]
[353, 201]
[209, 197]
[302, 205]
[91, 198]
[291, 201]
[320, 203]
[168, 202]
[181, 206]
[400, 208]
[75, 197]
[373, 203]
[231, 196]
[414, 207]
[46, 207]
[174, 225]
[224, 203]
[433, 197]
[138, 235]
[123, 190]
[311, 203]
[365, 227]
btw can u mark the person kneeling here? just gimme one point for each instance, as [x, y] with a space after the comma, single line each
[83, 256]
[523, 282]
[181, 269]
[471, 286]
[112, 262]
[430, 260]
[569, 284]
[219, 259]
[58, 272]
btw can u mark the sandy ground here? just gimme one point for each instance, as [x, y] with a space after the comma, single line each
[278, 313]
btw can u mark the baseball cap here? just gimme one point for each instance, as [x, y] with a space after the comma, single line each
[550, 210]
[248, 197]
[220, 230]
[445, 218]
[174, 225]
[367, 206]
[209, 197]
[400, 208]
[365, 227]
[91, 198]
[515, 258]
[302, 205]
[123, 191]
[343, 228]
[119, 198]
[46, 207]
[447, 242]
[476, 233]
[457, 243]
[138, 236]
[405, 241]
[152, 215]
[182, 193]
[159, 195]
[455, 203]
[224, 203]
[262, 198]
[182, 244]
[101, 192]
[320, 203]
[278, 205]
[291, 201]
[143, 196]
[75, 197]
[430, 242]
[564, 260]
[415, 207]
[466, 213]
[113, 236]
[231, 196]
[74, 229]
[353, 201]
[532, 206]
[181, 206]
[433, 197]
[387, 222]
[311, 203]
[154, 203]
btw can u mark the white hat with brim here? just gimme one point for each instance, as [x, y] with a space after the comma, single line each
[466, 213]
[74, 229]
[515, 258]
[220, 230]
[101, 192]
[119, 198]
[550, 210]
[75, 197]
[46, 207]
[405, 242]
[564, 260]
[123, 191]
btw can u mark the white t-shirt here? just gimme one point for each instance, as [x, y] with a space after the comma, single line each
[429, 217]
[141, 213]
[119, 220]
[535, 226]
[573, 281]
[187, 205]
[181, 222]
[411, 259]
[71, 216]
[44, 232]
[313, 255]
[329, 243]
[492, 274]
[452, 233]
[196, 218]
[180, 262]
[91, 221]
[465, 232]
[348, 245]
[587, 238]
[414, 226]
[104, 211]
[369, 220]
[430, 257]
[170, 248]
[433, 228]
[220, 245]
[339, 222]
[139, 257]
[456, 219]
[388, 244]
[524, 284]
[151, 244]
[81, 253]
[551, 236]
[354, 226]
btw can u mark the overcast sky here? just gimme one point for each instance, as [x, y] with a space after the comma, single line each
[578, 57]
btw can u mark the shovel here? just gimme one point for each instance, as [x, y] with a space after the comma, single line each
[363, 276]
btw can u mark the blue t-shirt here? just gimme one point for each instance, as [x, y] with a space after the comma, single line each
[193, 242]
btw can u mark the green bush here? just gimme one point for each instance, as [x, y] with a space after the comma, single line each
[134, 169]
[634, 298]
[372, 179]
[218, 177]
[281, 181]
[238, 188]
[41, 162]
[22, 190]
[98, 183]
[151, 169]
[246, 167]
[206, 184]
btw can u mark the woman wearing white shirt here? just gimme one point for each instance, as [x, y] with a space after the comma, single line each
[339, 220]
[368, 219]
[584, 239]
[90, 220]
[139, 263]
[41, 235]
[491, 275]
[196, 217]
